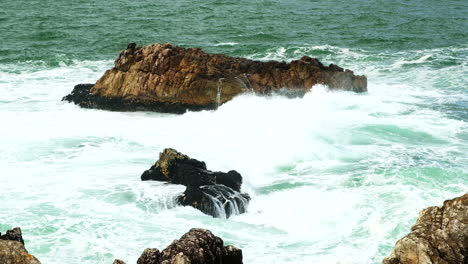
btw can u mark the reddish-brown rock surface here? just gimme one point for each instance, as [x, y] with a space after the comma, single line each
[164, 78]
[12, 250]
[440, 236]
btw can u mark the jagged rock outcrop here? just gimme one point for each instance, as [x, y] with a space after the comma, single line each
[440, 236]
[198, 246]
[12, 250]
[215, 193]
[165, 78]
[14, 234]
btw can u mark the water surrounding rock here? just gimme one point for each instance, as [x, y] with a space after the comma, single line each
[164, 78]
[12, 250]
[214, 193]
[440, 236]
[198, 246]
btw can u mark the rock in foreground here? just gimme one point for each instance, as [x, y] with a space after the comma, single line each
[214, 193]
[440, 236]
[198, 246]
[164, 78]
[12, 249]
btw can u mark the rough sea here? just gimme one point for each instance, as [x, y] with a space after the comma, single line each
[335, 177]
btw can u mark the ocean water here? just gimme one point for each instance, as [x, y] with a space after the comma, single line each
[335, 177]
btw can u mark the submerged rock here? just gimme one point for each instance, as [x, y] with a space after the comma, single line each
[164, 78]
[198, 246]
[12, 250]
[440, 236]
[214, 193]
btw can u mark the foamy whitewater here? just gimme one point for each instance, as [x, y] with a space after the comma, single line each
[335, 177]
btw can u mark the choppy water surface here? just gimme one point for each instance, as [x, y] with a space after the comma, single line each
[335, 177]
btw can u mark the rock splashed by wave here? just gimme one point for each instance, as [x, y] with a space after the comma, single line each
[334, 177]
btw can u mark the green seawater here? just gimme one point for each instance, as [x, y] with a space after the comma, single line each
[335, 177]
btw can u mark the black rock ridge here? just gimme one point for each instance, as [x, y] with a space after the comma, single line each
[214, 193]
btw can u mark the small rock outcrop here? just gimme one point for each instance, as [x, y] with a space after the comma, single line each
[214, 193]
[165, 78]
[12, 250]
[198, 246]
[14, 234]
[440, 236]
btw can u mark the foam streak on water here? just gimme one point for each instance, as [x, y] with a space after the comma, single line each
[335, 177]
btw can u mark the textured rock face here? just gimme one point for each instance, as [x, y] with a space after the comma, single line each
[164, 78]
[440, 236]
[214, 193]
[198, 246]
[12, 249]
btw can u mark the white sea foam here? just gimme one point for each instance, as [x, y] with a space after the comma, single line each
[333, 176]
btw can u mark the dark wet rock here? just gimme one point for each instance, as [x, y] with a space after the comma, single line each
[165, 78]
[14, 234]
[440, 236]
[175, 167]
[231, 179]
[215, 193]
[215, 200]
[12, 250]
[232, 255]
[81, 95]
[118, 261]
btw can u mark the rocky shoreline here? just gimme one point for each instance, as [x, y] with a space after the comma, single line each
[440, 236]
[169, 79]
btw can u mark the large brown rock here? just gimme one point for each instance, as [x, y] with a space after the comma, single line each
[164, 78]
[12, 249]
[440, 236]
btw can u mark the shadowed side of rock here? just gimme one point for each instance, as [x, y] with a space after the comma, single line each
[198, 246]
[165, 78]
[82, 96]
[214, 193]
[440, 236]
[12, 250]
